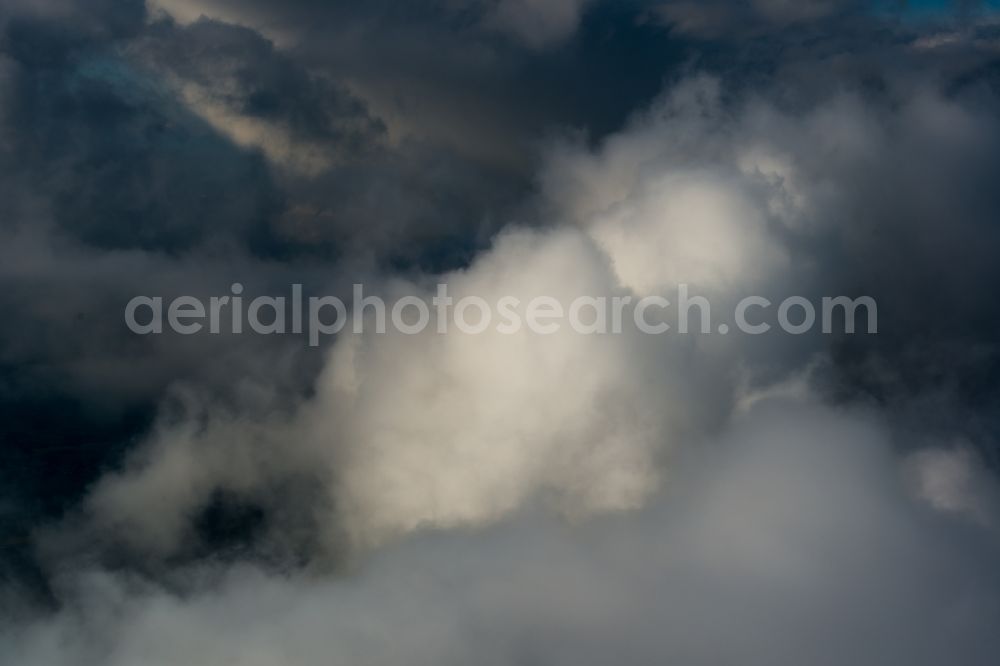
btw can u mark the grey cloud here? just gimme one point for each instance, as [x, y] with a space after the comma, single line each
[537, 22]
[716, 18]
[791, 539]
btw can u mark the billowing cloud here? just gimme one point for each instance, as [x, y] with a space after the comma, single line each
[509, 497]
[691, 193]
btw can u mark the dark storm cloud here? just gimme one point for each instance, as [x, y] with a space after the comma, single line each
[719, 18]
[154, 151]
[113, 185]
[118, 138]
[433, 69]
[117, 180]
[257, 81]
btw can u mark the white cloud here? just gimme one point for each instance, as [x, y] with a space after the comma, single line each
[431, 430]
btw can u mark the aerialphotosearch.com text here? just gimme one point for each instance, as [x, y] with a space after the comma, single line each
[321, 316]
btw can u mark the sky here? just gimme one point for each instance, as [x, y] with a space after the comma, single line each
[444, 498]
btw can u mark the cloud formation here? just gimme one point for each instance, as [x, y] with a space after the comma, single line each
[553, 499]
[582, 421]
[791, 538]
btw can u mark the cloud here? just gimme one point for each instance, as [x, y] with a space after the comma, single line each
[715, 18]
[953, 480]
[240, 85]
[533, 23]
[581, 423]
[791, 538]
[537, 22]
[505, 420]
[666, 206]
[705, 499]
